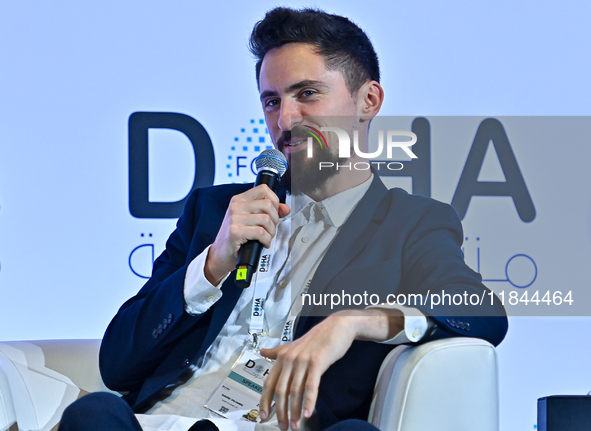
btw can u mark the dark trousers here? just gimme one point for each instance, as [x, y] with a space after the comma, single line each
[102, 411]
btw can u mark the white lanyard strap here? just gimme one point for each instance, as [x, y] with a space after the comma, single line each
[263, 280]
[288, 330]
[262, 283]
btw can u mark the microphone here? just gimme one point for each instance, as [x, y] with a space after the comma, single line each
[271, 165]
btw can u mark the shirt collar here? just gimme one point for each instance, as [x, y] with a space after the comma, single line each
[337, 208]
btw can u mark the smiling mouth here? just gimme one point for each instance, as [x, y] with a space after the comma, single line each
[295, 142]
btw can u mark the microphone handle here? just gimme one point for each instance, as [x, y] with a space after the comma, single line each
[250, 252]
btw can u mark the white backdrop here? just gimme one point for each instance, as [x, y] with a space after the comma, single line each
[72, 73]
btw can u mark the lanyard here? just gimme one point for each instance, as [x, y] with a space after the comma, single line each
[263, 281]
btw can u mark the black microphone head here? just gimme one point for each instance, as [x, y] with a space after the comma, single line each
[272, 160]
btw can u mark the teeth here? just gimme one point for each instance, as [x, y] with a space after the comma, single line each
[296, 143]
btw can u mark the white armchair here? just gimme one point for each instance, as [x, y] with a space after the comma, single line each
[447, 384]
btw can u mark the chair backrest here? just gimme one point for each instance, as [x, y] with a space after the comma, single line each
[39, 379]
[7, 412]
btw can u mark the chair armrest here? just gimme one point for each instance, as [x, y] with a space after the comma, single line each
[448, 384]
[41, 378]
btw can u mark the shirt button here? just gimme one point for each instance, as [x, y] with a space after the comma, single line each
[282, 283]
[265, 334]
[416, 333]
[305, 239]
[210, 298]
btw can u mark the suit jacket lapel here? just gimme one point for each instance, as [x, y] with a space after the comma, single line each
[354, 236]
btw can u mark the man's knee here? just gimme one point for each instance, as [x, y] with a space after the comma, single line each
[95, 410]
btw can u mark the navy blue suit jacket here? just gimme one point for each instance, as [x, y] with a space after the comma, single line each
[392, 242]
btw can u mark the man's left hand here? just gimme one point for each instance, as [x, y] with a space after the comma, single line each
[299, 365]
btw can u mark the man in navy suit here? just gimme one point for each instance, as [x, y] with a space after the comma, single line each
[311, 65]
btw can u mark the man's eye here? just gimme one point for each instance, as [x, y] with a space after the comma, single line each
[308, 93]
[272, 102]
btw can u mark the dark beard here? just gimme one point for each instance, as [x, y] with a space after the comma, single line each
[308, 176]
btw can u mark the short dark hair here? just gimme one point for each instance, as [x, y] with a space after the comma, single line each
[344, 46]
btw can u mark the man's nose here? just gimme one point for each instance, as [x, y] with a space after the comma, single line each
[290, 115]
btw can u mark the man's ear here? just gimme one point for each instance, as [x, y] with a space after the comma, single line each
[370, 99]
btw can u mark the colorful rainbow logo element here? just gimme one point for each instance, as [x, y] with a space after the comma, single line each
[317, 135]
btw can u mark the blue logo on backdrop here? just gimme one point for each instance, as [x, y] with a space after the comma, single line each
[246, 147]
[141, 259]
[139, 124]
[254, 138]
[520, 270]
[489, 130]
